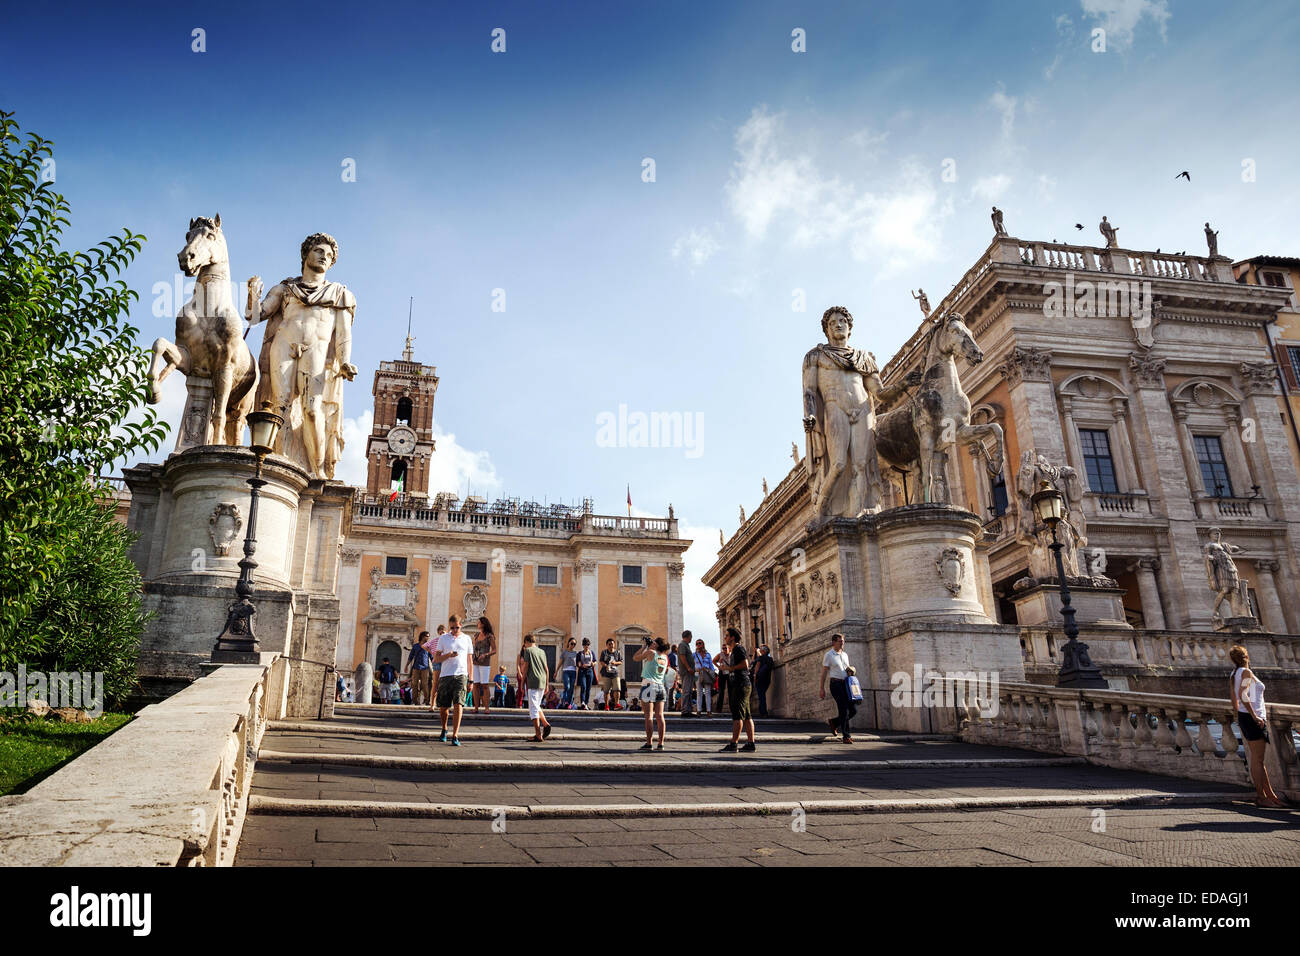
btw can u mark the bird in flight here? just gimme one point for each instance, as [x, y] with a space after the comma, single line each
[1184, 175]
[1078, 225]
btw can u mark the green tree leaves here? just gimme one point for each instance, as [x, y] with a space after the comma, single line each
[70, 374]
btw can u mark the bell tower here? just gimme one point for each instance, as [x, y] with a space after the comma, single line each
[400, 445]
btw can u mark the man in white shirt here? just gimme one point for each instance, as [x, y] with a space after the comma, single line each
[453, 653]
[835, 663]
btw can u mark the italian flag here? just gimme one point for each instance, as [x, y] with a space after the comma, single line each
[401, 486]
[629, 501]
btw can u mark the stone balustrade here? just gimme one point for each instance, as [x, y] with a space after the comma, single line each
[1112, 503]
[1165, 650]
[418, 513]
[168, 789]
[1192, 737]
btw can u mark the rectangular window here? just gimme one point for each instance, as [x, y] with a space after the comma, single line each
[395, 566]
[999, 494]
[1293, 353]
[1097, 460]
[1214, 470]
[475, 570]
[1274, 279]
[632, 574]
[548, 574]
[631, 669]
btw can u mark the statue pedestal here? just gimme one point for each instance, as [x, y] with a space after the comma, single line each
[1040, 603]
[912, 595]
[1239, 625]
[197, 418]
[191, 513]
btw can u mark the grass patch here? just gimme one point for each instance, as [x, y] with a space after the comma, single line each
[32, 749]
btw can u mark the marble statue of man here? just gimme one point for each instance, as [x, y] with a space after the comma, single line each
[306, 355]
[1225, 582]
[841, 387]
[1110, 232]
[1212, 240]
[923, 301]
[998, 228]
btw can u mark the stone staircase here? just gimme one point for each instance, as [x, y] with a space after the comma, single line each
[338, 791]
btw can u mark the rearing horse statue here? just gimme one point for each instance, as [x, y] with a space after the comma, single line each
[914, 436]
[209, 340]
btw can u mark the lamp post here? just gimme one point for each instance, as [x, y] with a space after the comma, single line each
[237, 643]
[1077, 668]
[755, 611]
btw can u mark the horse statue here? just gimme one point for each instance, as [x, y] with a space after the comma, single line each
[209, 345]
[914, 436]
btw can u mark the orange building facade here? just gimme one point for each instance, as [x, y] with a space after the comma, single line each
[412, 559]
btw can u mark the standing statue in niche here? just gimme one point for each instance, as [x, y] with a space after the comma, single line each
[1225, 582]
[306, 356]
[841, 387]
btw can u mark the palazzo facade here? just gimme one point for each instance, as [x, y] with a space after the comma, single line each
[412, 558]
[1174, 418]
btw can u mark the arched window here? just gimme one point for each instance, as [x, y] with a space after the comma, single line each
[404, 409]
[398, 480]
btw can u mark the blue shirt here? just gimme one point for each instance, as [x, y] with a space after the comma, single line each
[419, 658]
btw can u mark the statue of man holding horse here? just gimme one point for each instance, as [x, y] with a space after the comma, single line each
[306, 355]
[841, 387]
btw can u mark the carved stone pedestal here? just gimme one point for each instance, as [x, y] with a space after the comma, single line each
[911, 593]
[1239, 625]
[1095, 606]
[191, 513]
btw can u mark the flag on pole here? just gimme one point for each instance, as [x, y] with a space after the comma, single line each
[401, 486]
[629, 501]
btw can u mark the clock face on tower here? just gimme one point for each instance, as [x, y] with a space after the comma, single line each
[401, 440]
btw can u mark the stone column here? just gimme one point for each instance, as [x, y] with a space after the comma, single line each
[511, 637]
[349, 588]
[1270, 608]
[1188, 448]
[1145, 571]
[1128, 464]
[1028, 373]
[1237, 449]
[1072, 439]
[589, 602]
[674, 616]
[1170, 485]
[438, 604]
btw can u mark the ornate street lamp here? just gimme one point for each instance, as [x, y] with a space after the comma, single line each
[237, 643]
[755, 612]
[1077, 668]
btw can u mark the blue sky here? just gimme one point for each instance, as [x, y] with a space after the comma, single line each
[775, 171]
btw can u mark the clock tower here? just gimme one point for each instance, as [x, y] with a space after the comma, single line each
[400, 445]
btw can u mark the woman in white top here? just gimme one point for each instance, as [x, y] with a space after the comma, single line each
[1248, 700]
[834, 665]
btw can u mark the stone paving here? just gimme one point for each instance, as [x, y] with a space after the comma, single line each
[511, 772]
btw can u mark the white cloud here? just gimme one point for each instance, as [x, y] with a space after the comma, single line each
[698, 246]
[1006, 105]
[870, 143]
[772, 182]
[1120, 18]
[453, 467]
[991, 188]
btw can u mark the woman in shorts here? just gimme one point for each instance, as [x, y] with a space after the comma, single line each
[485, 645]
[1252, 718]
[654, 658]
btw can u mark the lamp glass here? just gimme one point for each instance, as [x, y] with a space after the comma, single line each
[1048, 504]
[263, 427]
